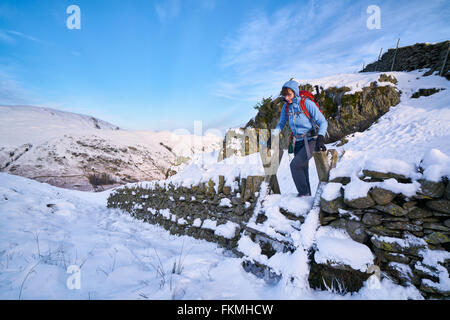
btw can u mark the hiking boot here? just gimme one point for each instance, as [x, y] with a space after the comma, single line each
[303, 195]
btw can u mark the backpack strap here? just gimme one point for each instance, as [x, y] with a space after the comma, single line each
[291, 137]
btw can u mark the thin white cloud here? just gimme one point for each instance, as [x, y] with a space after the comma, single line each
[315, 40]
[12, 91]
[207, 4]
[167, 9]
[5, 37]
[10, 36]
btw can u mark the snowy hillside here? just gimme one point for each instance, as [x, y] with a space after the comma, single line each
[64, 149]
[44, 229]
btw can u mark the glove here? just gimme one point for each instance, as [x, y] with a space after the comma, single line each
[320, 146]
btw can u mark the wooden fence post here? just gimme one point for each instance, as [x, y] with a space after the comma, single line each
[376, 68]
[395, 54]
[445, 61]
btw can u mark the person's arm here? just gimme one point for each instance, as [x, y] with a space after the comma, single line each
[317, 116]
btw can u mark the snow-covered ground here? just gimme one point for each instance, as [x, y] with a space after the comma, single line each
[44, 229]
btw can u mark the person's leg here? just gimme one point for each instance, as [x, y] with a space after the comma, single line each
[299, 167]
[306, 169]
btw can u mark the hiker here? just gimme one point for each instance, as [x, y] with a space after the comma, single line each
[303, 128]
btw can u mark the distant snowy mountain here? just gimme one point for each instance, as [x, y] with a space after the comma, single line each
[78, 151]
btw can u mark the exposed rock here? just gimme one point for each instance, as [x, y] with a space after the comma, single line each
[387, 256]
[382, 196]
[257, 180]
[393, 245]
[332, 206]
[342, 180]
[261, 218]
[360, 203]
[403, 226]
[385, 78]
[427, 286]
[426, 271]
[325, 218]
[447, 191]
[392, 209]
[338, 224]
[372, 219]
[386, 175]
[211, 185]
[437, 238]
[356, 231]
[401, 272]
[410, 205]
[226, 190]
[437, 214]
[413, 57]
[425, 92]
[441, 205]
[292, 216]
[238, 210]
[447, 223]
[389, 218]
[261, 271]
[221, 184]
[419, 213]
[383, 231]
[341, 278]
[349, 113]
[431, 189]
[436, 226]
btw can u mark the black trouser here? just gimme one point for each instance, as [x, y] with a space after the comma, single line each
[299, 166]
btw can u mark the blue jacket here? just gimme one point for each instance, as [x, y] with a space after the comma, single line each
[298, 121]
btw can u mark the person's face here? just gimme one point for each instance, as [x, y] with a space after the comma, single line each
[289, 96]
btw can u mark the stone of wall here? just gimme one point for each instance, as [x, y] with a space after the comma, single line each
[417, 56]
[398, 229]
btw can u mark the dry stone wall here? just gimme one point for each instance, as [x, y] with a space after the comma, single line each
[204, 211]
[417, 56]
[400, 230]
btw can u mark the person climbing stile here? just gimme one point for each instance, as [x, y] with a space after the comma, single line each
[307, 124]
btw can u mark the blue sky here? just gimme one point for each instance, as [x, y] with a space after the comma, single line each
[163, 64]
